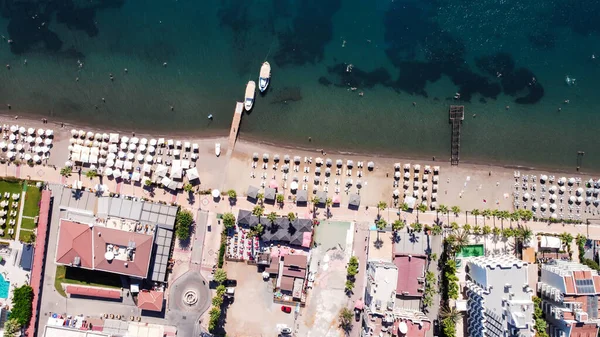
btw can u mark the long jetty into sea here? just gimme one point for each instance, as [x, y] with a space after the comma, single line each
[235, 127]
[457, 115]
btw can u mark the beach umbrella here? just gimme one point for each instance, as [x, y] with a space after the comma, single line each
[215, 193]
[370, 165]
[276, 158]
[74, 133]
[142, 148]
[153, 142]
[434, 205]
[124, 139]
[572, 199]
[130, 156]
[144, 141]
[286, 158]
[22, 130]
[151, 149]
[406, 175]
[255, 156]
[31, 131]
[553, 197]
[285, 168]
[589, 200]
[397, 166]
[68, 164]
[108, 172]
[95, 143]
[27, 157]
[397, 175]
[101, 161]
[597, 202]
[425, 177]
[339, 163]
[123, 146]
[552, 207]
[72, 141]
[571, 181]
[19, 147]
[11, 146]
[543, 178]
[187, 146]
[110, 162]
[111, 156]
[117, 173]
[579, 200]
[562, 189]
[132, 147]
[97, 136]
[81, 134]
[48, 141]
[134, 140]
[178, 144]
[553, 189]
[328, 162]
[89, 135]
[121, 154]
[553, 216]
[328, 171]
[349, 163]
[148, 158]
[105, 137]
[561, 181]
[579, 191]
[36, 158]
[424, 196]
[12, 138]
[170, 143]
[416, 184]
[140, 157]
[396, 193]
[87, 143]
[294, 185]
[318, 170]
[436, 170]
[589, 191]
[14, 128]
[11, 154]
[406, 167]
[544, 206]
[416, 193]
[417, 167]
[265, 156]
[70, 148]
[433, 196]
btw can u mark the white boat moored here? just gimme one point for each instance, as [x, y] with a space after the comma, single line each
[265, 77]
[249, 100]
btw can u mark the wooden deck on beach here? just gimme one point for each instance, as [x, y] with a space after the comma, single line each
[457, 115]
[235, 127]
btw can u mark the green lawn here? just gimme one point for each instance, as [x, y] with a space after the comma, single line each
[10, 186]
[86, 277]
[32, 201]
[27, 223]
[25, 236]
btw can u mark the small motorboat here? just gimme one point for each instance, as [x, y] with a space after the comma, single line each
[265, 77]
[217, 149]
[249, 100]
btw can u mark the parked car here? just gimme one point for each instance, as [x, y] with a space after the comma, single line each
[230, 283]
[357, 315]
[286, 309]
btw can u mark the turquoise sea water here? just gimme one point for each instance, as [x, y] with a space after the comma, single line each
[409, 59]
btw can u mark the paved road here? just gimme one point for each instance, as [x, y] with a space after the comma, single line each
[187, 317]
[198, 243]
[361, 234]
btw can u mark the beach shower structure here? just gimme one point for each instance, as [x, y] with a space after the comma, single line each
[457, 115]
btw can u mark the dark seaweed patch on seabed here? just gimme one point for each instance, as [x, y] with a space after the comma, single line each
[29, 22]
[410, 31]
[311, 30]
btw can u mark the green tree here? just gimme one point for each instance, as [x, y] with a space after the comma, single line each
[381, 224]
[280, 199]
[566, 239]
[486, 230]
[258, 211]
[486, 214]
[467, 228]
[260, 197]
[496, 232]
[476, 230]
[228, 220]
[316, 201]
[398, 225]
[455, 210]
[232, 194]
[404, 207]
[382, 205]
[450, 313]
[148, 182]
[272, 217]
[349, 286]
[476, 213]
[433, 257]
[91, 174]
[422, 208]
[11, 327]
[436, 229]
[258, 230]
[220, 276]
[345, 319]
[183, 224]
[188, 187]
[221, 289]
[66, 171]
[22, 304]
[444, 210]
[217, 301]
[508, 232]
[328, 203]
[291, 216]
[454, 226]
[417, 227]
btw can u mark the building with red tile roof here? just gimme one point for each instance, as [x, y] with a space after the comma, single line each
[151, 300]
[570, 299]
[98, 292]
[97, 247]
[411, 275]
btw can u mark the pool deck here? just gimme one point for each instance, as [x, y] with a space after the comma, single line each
[11, 270]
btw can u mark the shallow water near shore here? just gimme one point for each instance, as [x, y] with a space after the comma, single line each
[175, 62]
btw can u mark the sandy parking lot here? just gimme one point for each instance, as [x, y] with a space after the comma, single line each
[253, 312]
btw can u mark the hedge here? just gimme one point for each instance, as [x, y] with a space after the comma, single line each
[22, 304]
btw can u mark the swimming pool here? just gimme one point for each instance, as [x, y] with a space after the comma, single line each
[4, 286]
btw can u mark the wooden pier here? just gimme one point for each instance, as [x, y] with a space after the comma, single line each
[457, 115]
[235, 127]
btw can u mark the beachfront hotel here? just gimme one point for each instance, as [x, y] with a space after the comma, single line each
[499, 298]
[569, 292]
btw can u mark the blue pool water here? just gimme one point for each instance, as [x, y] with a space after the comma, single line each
[4, 285]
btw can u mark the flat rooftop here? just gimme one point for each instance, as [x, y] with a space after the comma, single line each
[381, 247]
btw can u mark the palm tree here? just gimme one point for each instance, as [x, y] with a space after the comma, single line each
[291, 216]
[455, 210]
[404, 207]
[260, 197]
[486, 230]
[486, 214]
[436, 230]
[417, 227]
[566, 239]
[476, 230]
[272, 217]
[444, 210]
[381, 224]
[258, 211]
[450, 313]
[461, 239]
[495, 214]
[503, 215]
[328, 203]
[66, 171]
[496, 232]
[421, 208]
[467, 228]
[188, 187]
[91, 174]
[454, 226]
[398, 225]
[476, 213]
[280, 199]
[514, 216]
[232, 194]
[382, 205]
